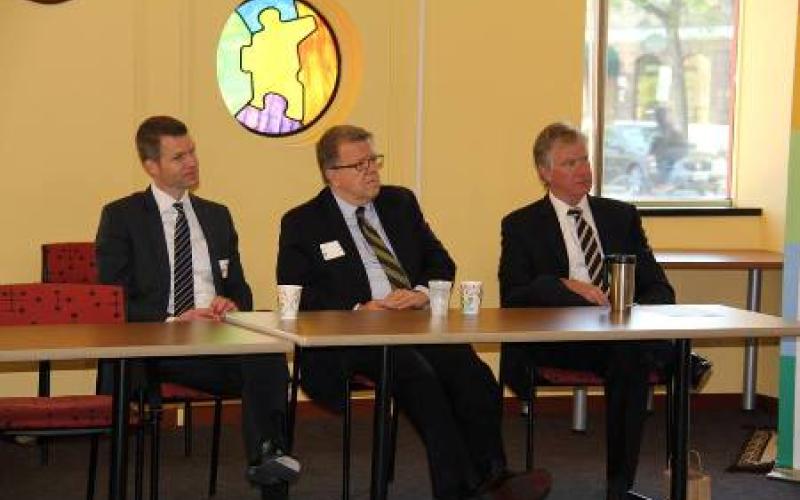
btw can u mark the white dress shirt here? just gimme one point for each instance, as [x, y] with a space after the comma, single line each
[569, 230]
[204, 291]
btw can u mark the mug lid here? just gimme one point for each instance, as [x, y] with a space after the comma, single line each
[620, 258]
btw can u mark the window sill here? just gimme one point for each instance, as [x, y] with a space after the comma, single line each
[699, 212]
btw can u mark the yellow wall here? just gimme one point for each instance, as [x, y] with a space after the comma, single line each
[79, 77]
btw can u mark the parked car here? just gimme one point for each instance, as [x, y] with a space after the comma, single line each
[630, 171]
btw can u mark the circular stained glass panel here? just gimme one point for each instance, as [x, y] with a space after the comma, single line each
[278, 66]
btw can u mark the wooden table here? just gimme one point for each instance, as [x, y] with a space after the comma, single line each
[121, 342]
[391, 328]
[752, 261]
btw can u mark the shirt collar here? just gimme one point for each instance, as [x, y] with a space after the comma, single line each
[165, 201]
[561, 207]
[348, 209]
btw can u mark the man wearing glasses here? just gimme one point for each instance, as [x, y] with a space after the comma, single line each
[362, 246]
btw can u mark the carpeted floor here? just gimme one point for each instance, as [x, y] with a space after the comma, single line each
[575, 460]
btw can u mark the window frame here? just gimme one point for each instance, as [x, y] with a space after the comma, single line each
[594, 92]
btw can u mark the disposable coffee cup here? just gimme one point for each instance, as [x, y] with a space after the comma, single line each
[289, 300]
[471, 293]
[439, 296]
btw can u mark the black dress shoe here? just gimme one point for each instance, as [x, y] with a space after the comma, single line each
[278, 491]
[529, 485]
[700, 370]
[628, 495]
[273, 467]
[632, 495]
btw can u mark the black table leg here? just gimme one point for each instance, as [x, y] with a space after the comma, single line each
[117, 482]
[380, 438]
[680, 420]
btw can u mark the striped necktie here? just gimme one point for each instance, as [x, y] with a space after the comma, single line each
[394, 271]
[182, 270]
[590, 247]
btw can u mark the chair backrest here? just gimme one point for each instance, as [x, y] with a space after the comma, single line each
[69, 263]
[61, 303]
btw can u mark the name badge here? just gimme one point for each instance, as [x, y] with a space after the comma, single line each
[223, 267]
[331, 250]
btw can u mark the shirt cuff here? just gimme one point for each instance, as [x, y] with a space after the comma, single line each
[170, 319]
[423, 289]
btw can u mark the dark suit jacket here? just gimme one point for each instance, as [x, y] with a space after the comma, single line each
[342, 282]
[132, 252]
[534, 257]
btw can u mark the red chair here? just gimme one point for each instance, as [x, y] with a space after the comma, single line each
[48, 416]
[76, 263]
[579, 380]
[69, 263]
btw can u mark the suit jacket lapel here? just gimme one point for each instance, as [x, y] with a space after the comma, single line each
[603, 224]
[333, 215]
[555, 237]
[200, 210]
[155, 231]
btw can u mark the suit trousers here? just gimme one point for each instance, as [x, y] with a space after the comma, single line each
[448, 394]
[625, 367]
[260, 380]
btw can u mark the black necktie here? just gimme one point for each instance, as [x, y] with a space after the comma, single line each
[182, 270]
[394, 271]
[589, 245]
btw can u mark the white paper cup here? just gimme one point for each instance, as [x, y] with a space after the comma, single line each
[289, 300]
[471, 293]
[439, 296]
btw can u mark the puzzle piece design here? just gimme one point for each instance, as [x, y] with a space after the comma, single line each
[278, 44]
[271, 119]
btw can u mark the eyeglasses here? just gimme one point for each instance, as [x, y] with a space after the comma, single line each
[363, 165]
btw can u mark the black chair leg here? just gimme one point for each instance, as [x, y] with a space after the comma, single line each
[138, 485]
[155, 451]
[291, 412]
[530, 422]
[90, 484]
[44, 450]
[187, 429]
[346, 443]
[669, 420]
[501, 381]
[393, 440]
[217, 430]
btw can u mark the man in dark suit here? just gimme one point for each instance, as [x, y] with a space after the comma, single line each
[177, 257]
[551, 256]
[362, 246]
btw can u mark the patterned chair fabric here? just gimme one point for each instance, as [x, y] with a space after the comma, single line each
[561, 376]
[176, 392]
[69, 263]
[61, 412]
[566, 377]
[49, 303]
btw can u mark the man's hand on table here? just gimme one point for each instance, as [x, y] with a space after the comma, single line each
[214, 312]
[397, 300]
[588, 291]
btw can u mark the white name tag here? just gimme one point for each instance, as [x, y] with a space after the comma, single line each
[223, 267]
[331, 250]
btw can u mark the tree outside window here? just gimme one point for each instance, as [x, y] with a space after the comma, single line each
[667, 93]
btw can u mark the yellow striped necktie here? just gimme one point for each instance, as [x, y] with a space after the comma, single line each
[394, 271]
